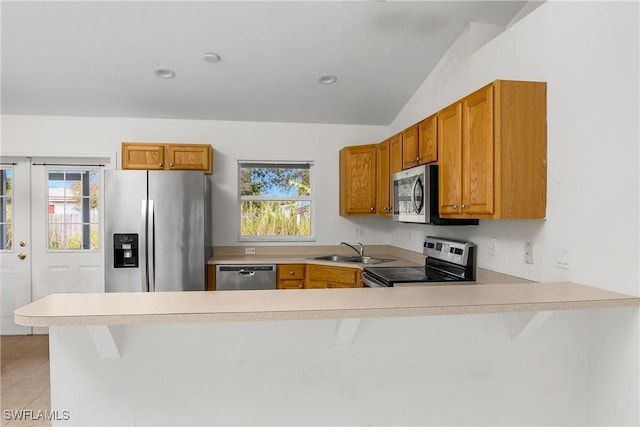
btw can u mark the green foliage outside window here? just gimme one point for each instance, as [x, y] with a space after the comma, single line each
[275, 200]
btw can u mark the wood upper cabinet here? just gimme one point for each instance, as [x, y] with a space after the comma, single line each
[151, 156]
[143, 156]
[419, 143]
[324, 276]
[383, 195]
[450, 162]
[358, 177]
[290, 276]
[428, 140]
[492, 153]
[189, 157]
[366, 187]
[395, 165]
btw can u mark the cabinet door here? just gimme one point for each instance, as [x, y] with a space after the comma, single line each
[290, 276]
[346, 277]
[410, 150]
[291, 284]
[395, 154]
[189, 157]
[358, 180]
[477, 153]
[142, 156]
[427, 140]
[314, 284]
[450, 159]
[383, 195]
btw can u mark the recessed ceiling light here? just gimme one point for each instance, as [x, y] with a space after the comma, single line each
[327, 79]
[211, 57]
[164, 73]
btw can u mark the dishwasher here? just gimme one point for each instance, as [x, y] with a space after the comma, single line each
[245, 277]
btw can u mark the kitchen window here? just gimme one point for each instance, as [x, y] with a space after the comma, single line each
[276, 201]
[73, 199]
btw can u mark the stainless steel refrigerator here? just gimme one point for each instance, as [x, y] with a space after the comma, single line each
[157, 232]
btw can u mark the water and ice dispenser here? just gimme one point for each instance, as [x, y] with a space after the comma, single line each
[125, 250]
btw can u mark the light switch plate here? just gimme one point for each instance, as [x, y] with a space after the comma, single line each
[492, 246]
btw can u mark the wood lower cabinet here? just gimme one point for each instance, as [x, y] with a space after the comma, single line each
[290, 276]
[211, 277]
[324, 276]
[152, 156]
[492, 149]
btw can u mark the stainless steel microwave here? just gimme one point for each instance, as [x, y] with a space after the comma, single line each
[415, 197]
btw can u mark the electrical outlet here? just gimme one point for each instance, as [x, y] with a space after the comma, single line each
[249, 251]
[562, 259]
[492, 246]
[528, 252]
[358, 232]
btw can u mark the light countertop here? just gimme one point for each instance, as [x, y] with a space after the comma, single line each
[306, 255]
[306, 304]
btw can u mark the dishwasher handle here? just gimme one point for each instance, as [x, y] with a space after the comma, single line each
[246, 273]
[252, 268]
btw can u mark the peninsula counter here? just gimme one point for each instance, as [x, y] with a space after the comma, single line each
[439, 355]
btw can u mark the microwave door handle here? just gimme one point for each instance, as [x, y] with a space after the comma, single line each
[416, 208]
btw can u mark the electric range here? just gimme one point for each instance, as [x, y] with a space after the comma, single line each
[447, 260]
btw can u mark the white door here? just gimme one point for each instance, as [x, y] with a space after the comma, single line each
[15, 247]
[62, 201]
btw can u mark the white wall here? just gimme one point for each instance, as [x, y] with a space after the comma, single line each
[232, 141]
[588, 53]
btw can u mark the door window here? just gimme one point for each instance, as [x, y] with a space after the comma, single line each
[73, 209]
[6, 206]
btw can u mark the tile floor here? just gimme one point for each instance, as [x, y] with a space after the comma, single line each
[24, 379]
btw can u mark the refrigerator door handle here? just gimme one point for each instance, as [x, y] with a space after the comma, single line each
[151, 253]
[143, 240]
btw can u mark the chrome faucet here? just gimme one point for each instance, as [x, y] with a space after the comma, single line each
[360, 251]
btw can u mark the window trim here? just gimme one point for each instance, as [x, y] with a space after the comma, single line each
[311, 199]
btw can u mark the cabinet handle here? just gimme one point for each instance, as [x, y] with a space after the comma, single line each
[291, 273]
[455, 206]
[171, 164]
[463, 206]
[417, 159]
[160, 164]
[300, 286]
[372, 209]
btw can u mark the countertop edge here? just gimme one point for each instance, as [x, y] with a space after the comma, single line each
[608, 300]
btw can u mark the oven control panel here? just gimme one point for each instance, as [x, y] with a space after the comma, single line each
[455, 251]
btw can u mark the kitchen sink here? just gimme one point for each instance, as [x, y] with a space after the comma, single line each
[371, 260]
[355, 259]
[337, 258]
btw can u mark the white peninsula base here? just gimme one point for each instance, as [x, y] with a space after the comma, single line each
[436, 370]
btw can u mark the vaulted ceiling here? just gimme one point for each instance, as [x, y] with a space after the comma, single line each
[97, 58]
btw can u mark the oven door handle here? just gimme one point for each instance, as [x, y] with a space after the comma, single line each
[370, 282]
